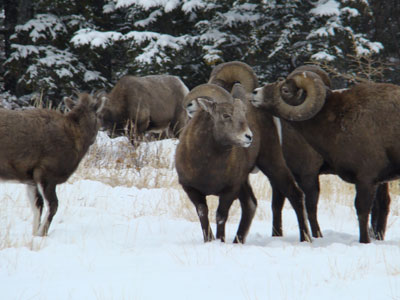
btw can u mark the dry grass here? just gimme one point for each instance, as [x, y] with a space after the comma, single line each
[151, 165]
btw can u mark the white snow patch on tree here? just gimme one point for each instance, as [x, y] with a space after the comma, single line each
[191, 5]
[22, 51]
[326, 8]
[95, 38]
[42, 25]
[322, 55]
[168, 5]
[152, 18]
[91, 76]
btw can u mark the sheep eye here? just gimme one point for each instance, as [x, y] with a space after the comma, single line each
[227, 116]
[285, 90]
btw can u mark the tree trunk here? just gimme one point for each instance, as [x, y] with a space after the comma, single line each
[16, 12]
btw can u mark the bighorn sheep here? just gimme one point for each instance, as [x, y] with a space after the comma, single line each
[149, 103]
[355, 132]
[241, 80]
[268, 159]
[216, 152]
[42, 148]
[297, 151]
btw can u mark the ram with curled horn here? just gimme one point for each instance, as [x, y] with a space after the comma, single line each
[297, 151]
[354, 131]
[270, 159]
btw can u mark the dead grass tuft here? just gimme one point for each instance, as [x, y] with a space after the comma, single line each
[152, 165]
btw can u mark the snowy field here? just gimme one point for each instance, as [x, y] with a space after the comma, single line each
[126, 230]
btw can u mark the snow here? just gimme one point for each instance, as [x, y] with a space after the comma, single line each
[365, 47]
[326, 8]
[91, 76]
[191, 5]
[322, 55]
[23, 50]
[95, 38]
[150, 19]
[42, 24]
[168, 5]
[130, 240]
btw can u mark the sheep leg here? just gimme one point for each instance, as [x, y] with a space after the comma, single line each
[177, 125]
[310, 187]
[248, 203]
[36, 201]
[283, 180]
[200, 203]
[363, 203]
[297, 202]
[225, 203]
[278, 199]
[273, 165]
[138, 126]
[380, 211]
[48, 192]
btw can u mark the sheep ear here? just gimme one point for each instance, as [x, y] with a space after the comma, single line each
[206, 105]
[100, 103]
[238, 91]
[69, 103]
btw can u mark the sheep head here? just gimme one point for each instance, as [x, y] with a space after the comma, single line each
[204, 91]
[299, 97]
[226, 115]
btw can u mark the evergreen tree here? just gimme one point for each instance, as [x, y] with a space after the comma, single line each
[56, 47]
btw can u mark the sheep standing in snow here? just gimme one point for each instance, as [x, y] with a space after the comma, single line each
[42, 148]
[218, 149]
[355, 131]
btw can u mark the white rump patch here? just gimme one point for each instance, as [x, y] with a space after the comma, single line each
[278, 125]
[31, 191]
[340, 90]
[41, 232]
[185, 89]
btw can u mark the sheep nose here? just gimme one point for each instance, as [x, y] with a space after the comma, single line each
[249, 137]
[255, 91]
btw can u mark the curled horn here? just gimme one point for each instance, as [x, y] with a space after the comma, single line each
[208, 91]
[99, 93]
[313, 103]
[229, 73]
[317, 70]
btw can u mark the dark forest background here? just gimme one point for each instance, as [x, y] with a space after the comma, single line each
[51, 48]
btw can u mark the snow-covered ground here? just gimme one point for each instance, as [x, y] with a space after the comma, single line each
[131, 233]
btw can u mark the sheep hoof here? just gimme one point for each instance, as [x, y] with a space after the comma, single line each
[307, 237]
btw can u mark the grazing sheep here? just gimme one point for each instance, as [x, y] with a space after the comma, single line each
[42, 148]
[149, 103]
[354, 131]
[209, 160]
